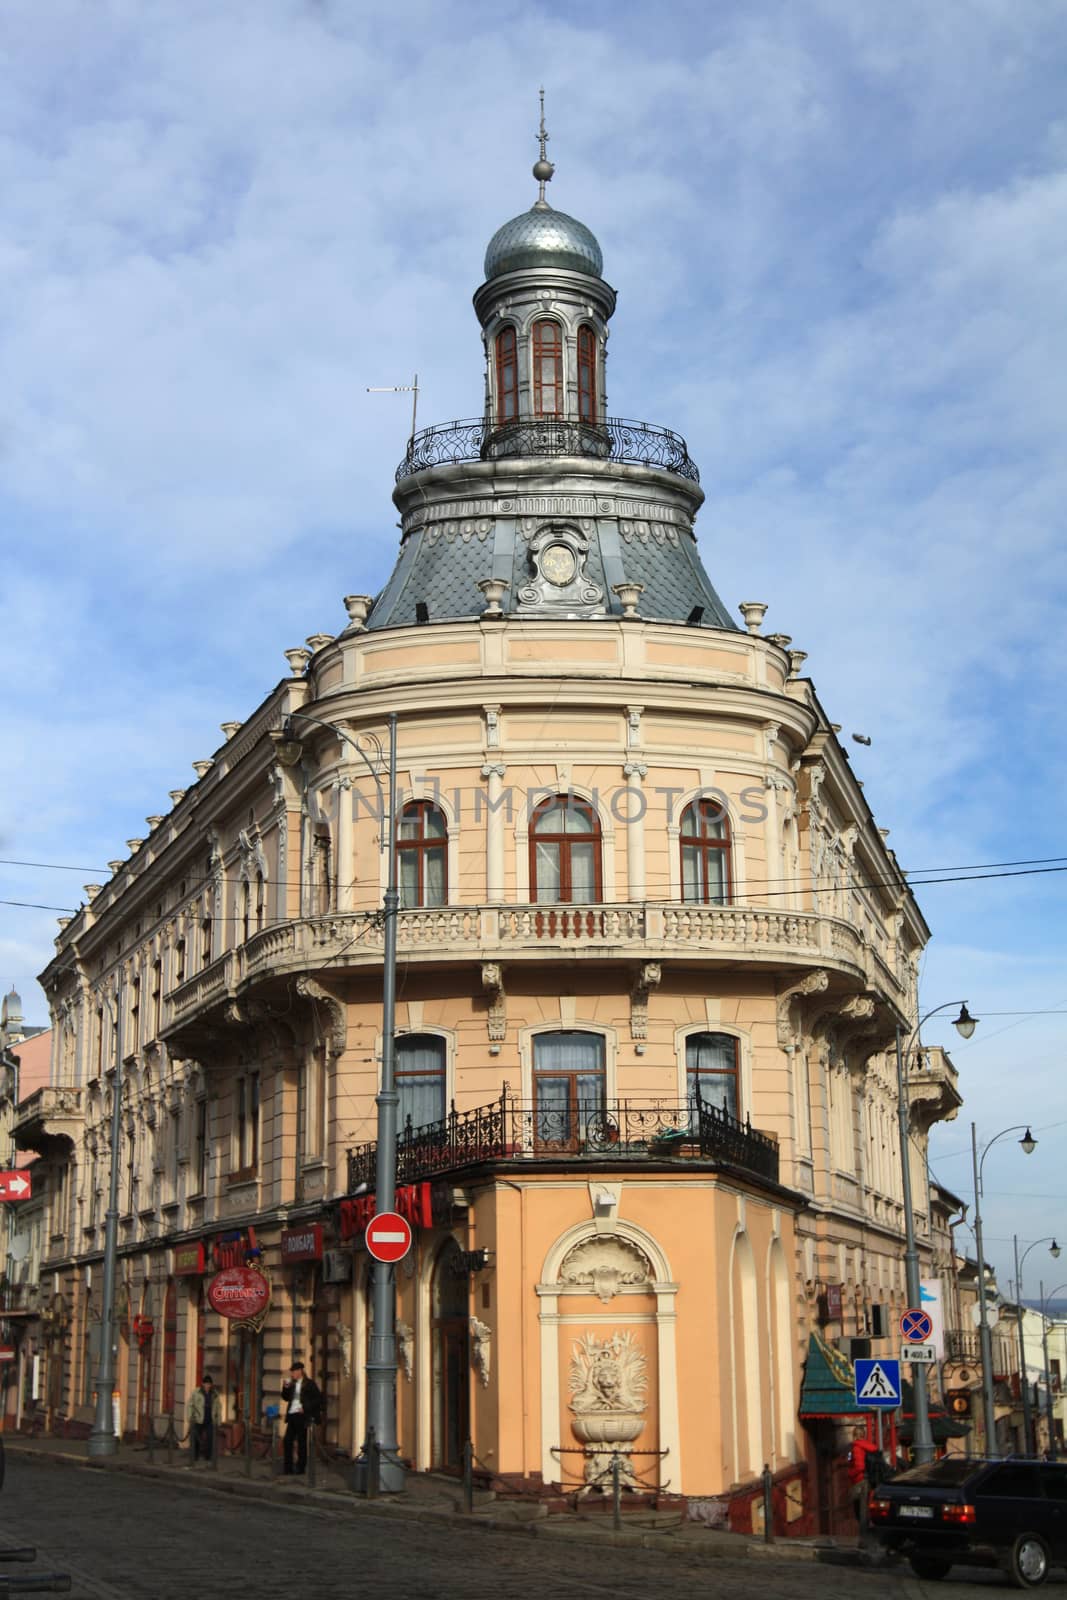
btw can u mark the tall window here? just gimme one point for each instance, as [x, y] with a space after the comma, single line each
[261, 893]
[420, 1079]
[157, 998]
[421, 855]
[311, 1105]
[246, 910]
[705, 838]
[507, 376]
[587, 406]
[565, 851]
[200, 1148]
[568, 1078]
[711, 1068]
[548, 368]
[246, 1124]
[320, 873]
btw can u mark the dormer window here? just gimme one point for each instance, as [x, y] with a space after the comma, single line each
[548, 368]
[507, 376]
[587, 397]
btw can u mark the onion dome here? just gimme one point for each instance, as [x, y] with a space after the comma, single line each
[542, 237]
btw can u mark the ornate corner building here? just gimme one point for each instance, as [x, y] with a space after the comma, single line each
[652, 949]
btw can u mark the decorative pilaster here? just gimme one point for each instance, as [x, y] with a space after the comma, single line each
[494, 772]
[634, 823]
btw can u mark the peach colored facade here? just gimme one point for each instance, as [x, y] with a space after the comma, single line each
[665, 1117]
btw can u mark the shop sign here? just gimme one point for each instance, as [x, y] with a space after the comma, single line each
[240, 1293]
[235, 1249]
[831, 1303]
[302, 1244]
[412, 1203]
[7, 1352]
[189, 1259]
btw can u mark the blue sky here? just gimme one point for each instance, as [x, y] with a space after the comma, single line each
[838, 232]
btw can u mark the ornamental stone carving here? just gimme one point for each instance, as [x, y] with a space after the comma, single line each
[493, 984]
[648, 978]
[405, 1348]
[608, 1379]
[481, 1350]
[812, 983]
[606, 1265]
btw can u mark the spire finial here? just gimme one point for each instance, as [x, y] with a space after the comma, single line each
[542, 168]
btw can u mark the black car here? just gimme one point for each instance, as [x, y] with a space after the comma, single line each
[1010, 1514]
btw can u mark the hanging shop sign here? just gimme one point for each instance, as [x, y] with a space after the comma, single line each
[302, 1244]
[190, 1259]
[241, 1294]
[413, 1203]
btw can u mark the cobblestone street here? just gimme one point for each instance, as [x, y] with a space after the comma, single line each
[124, 1538]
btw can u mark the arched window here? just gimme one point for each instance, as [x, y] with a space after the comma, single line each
[705, 838]
[568, 1084]
[507, 376]
[587, 397]
[422, 855]
[565, 851]
[711, 1072]
[548, 368]
[420, 1079]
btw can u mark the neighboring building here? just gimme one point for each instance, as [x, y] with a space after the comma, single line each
[653, 951]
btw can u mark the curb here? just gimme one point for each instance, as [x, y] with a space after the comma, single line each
[323, 1500]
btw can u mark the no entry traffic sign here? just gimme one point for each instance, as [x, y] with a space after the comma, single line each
[388, 1236]
[16, 1185]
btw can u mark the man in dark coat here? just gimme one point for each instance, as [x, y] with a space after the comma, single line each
[303, 1405]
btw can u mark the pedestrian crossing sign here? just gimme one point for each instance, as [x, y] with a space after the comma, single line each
[877, 1384]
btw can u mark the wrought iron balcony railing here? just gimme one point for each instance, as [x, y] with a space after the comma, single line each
[615, 439]
[511, 1129]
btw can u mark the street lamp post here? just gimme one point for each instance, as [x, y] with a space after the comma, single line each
[102, 1440]
[1028, 1143]
[381, 1366]
[965, 1025]
[1029, 1437]
[1045, 1299]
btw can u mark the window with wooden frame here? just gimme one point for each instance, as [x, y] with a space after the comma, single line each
[322, 886]
[711, 1073]
[507, 375]
[548, 368]
[422, 855]
[705, 845]
[200, 1148]
[568, 1085]
[587, 354]
[565, 841]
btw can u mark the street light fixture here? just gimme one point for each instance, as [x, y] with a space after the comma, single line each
[1028, 1144]
[965, 1025]
[1029, 1439]
[1045, 1299]
[381, 1356]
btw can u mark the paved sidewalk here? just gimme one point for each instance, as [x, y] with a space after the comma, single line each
[430, 1497]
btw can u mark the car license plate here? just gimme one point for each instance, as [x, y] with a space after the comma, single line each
[915, 1511]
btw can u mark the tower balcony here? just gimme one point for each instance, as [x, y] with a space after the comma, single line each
[615, 439]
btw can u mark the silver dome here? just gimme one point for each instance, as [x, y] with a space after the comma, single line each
[542, 237]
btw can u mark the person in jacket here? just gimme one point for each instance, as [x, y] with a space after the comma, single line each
[303, 1405]
[205, 1414]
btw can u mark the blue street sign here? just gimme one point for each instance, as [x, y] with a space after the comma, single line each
[878, 1384]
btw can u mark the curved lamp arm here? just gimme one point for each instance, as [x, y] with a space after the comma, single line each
[1027, 1141]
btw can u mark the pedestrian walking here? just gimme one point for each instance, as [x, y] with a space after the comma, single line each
[205, 1414]
[303, 1405]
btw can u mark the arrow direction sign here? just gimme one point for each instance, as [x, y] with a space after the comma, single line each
[16, 1185]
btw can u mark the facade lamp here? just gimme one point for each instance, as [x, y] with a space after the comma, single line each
[1029, 1144]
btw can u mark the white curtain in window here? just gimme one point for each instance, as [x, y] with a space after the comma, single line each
[420, 1080]
[712, 1057]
